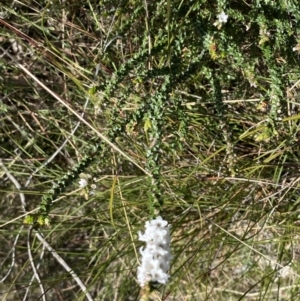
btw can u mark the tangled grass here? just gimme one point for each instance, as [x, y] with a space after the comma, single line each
[160, 108]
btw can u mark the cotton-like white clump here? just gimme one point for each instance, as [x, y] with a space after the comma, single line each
[156, 256]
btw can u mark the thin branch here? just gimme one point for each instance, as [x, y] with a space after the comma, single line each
[64, 265]
[16, 183]
[35, 271]
[13, 256]
[60, 148]
[64, 103]
[32, 278]
[40, 237]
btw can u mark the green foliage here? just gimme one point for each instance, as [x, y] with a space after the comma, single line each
[208, 109]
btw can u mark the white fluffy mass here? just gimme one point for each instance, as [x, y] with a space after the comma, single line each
[156, 256]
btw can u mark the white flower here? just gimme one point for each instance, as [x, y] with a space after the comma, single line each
[156, 256]
[82, 183]
[222, 17]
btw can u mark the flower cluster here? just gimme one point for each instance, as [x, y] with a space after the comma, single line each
[156, 256]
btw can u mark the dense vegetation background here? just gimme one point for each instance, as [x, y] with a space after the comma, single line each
[160, 108]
